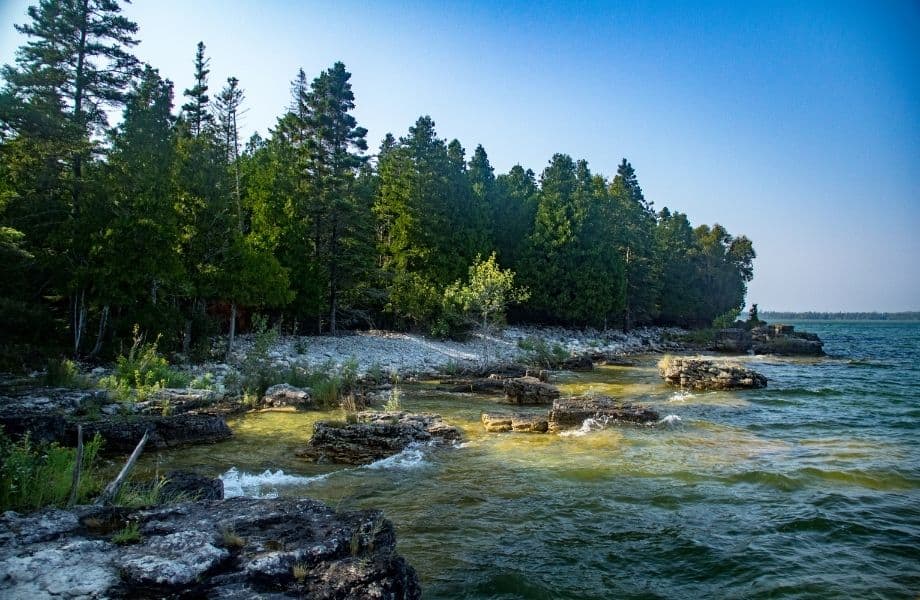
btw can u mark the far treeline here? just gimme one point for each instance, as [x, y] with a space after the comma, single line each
[842, 316]
[169, 221]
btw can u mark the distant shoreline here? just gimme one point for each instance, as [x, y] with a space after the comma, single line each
[841, 316]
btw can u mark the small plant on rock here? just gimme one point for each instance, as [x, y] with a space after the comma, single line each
[131, 534]
[231, 539]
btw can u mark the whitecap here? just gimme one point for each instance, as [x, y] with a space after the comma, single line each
[670, 420]
[587, 426]
[261, 485]
[412, 457]
[681, 396]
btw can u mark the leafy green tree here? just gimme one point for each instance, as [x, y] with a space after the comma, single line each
[488, 292]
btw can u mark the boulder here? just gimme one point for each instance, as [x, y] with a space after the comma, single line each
[529, 390]
[783, 340]
[285, 394]
[177, 401]
[569, 413]
[520, 423]
[186, 485]
[577, 363]
[375, 435]
[734, 340]
[236, 548]
[123, 434]
[703, 374]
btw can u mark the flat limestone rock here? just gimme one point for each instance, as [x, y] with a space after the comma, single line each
[284, 394]
[703, 374]
[519, 423]
[569, 413]
[236, 548]
[375, 435]
[529, 390]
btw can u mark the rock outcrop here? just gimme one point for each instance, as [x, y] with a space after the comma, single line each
[236, 548]
[568, 413]
[191, 486]
[519, 423]
[529, 390]
[375, 435]
[285, 394]
[703, 374]
[734, 340]
[784, 340]
[582, 362]
[51, 415]
[177, 401]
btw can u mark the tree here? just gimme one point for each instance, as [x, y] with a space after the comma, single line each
[488, 291]
[196, 110]
[513, 212]
[75, 66]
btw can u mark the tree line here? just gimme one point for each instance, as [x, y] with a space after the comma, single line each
[842, 316]
[169, 220]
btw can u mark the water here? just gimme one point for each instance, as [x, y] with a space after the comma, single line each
[807, 489]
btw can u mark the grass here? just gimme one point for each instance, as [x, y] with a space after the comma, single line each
[65, 373]
[231, 539]
[131, 534]
[393, 404]
[36, 475]
[537, 352]
[299, 572]
[142, 372]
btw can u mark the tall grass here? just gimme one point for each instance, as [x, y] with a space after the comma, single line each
[65, 373]
[142, 372]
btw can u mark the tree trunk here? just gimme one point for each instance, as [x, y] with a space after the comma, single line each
[333, 275]
[103, 321]
[232, 331]
[111, 491]
[79, 320]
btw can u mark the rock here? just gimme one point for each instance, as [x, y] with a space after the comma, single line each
[783, 340]
[123, 434]
[529, 390]
[568, 413]
[577, 363]
[492, 384]
[191, 486]
[522, 423]
[177, 401]
[285, 394]
[702, 374]
[237, 548]
[734, 340]
[375, 435]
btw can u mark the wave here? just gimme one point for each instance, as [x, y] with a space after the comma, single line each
[587, 426]
[670, 420]
[681, 396]
[412, 457]
[262, 485]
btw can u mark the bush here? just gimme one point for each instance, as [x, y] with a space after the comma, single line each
[66, 374]
[538, 353]
[142, 372]
[37, 475]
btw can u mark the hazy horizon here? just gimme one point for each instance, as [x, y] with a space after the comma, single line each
[796, 125]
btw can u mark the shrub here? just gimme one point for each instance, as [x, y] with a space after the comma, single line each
[393, 404]
[66, 374]
[537, 352]
[142, 372]
[256, 372]
[36, 475]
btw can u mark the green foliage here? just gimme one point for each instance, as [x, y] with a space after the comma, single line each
[256, 372]
[144, 494]
[726, 319]
[487, 293]
[203, 382]
[65, 373]
[131, 534]
[393, 402]
[142, 372]
[36, 475]
[538, 352]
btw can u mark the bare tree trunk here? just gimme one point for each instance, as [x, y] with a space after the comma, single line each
[232, 331]
[79, 320]
[77, 468]
[111, 491]
[103, 321]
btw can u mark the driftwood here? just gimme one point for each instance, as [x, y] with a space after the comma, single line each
[111, 491]
[77, 467]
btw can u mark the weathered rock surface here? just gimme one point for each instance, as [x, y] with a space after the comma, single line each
[375, 435]
[123, 434]
[285, 394]
[568, 413]
[578, 363]
[177, 401]
[192, 486]
[784, 340]
[703, 374]
[236, 548]
[492, 384]
[521, 423]
[734, 340]
[529, 390]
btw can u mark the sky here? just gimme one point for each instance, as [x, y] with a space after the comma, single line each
[794, 123]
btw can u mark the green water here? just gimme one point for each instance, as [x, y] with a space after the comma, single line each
[808, 489]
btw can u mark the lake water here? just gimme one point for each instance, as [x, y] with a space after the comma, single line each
[807, 489]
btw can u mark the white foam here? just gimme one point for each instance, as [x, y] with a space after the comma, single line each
[587, 426]
[670, 420]
[261, 485]
[681, 396]
[412, 457]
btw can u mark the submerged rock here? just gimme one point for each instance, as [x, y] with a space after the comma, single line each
[237, 548]
[529, 390]
[703, 374]
[521, 423]
[285, 394]
[374, 435]
[568, 413]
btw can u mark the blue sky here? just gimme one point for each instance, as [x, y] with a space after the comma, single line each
[797, 124]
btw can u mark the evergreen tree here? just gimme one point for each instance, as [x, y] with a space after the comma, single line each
[513, 213]
[196, 111]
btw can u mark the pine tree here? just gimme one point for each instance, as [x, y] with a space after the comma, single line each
[197, 111]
